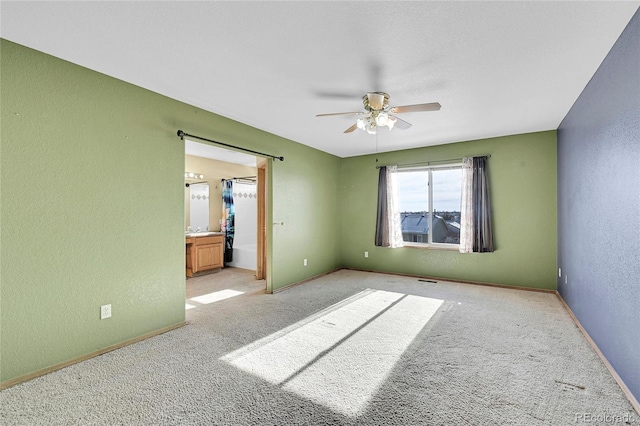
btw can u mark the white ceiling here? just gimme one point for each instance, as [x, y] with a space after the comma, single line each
[497, 68]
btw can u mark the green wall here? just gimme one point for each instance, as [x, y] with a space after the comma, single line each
[522, 177]
[92, 208]
[310, 232]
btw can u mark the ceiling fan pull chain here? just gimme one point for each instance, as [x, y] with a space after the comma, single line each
[376, 147]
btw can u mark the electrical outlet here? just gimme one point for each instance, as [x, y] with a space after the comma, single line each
[105, 311]
[366, 254]
[304, 262]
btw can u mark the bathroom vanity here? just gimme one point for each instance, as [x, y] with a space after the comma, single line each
[205, 251]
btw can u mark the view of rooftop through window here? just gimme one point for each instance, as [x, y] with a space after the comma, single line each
[436, 211]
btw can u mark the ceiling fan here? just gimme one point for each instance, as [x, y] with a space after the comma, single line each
[378, 113]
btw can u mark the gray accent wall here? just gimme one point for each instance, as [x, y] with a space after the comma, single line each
[599, 207]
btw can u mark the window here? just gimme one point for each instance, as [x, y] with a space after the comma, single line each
[430, 199]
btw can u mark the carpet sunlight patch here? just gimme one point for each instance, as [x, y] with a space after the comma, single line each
[341, 356]
[216, 296]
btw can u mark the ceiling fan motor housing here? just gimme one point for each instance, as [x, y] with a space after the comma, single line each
[376, 101]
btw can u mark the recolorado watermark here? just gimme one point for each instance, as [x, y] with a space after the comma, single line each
[606, 418]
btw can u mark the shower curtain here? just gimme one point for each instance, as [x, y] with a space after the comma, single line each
[228, 219]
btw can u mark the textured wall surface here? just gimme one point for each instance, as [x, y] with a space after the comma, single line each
[85, 171]
[522, 176]
[311, 232]
[93, 208]
[599, 206]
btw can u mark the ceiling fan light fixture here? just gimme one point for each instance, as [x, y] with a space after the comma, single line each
[382, 119]
[371, 128]
[360, 123]
[391, 121]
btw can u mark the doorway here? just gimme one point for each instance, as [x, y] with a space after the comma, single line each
[218, 167]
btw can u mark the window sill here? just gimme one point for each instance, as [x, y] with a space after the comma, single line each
[445, 247]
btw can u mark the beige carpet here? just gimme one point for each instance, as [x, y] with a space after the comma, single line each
[350, 348]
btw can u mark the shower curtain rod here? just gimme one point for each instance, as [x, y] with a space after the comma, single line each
[251, 178]
[426, 163]
[182, 134]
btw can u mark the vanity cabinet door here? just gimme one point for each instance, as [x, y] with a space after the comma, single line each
[205, 256]
[217, 250]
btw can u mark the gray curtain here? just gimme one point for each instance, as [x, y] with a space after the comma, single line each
[483, 233]
[382, 217]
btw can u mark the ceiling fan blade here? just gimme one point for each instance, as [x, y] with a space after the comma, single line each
[433, 106]
[400, 123]
[338, 113]
[351, 129]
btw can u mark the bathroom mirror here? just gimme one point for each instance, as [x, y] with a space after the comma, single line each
[199, 206]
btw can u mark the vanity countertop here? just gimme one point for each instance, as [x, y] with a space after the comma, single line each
[202, 234]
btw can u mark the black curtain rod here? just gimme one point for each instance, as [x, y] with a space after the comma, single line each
[426, 163]
[182, 134]
[241, 178]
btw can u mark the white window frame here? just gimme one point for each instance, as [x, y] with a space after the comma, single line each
[430, 244]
